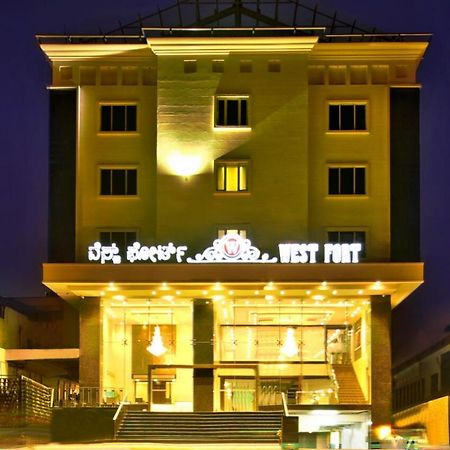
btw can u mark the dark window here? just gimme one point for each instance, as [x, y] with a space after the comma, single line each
[122, 239]
[118, 182]
[434, 384]
[118, 118]
[346, 181]
[231, 176]
[346, 117]
[445, 373]
[349, 237]
[231, 112]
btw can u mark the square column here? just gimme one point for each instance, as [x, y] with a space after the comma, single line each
[203, 335]
[381, 379]
[90, 340]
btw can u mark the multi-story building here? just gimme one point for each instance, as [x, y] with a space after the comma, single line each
[234, 213]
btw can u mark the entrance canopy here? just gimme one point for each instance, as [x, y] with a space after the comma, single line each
[241, 282]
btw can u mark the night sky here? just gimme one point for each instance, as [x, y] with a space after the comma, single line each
[418, 322]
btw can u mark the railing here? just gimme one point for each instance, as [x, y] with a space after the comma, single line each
[36, 401]
[24, 401]
[284, 402]
[118, 416]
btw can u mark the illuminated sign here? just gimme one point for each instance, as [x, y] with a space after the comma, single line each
[231, 248]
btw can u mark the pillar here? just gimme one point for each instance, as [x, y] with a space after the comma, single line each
[381, 379]
[203, 334]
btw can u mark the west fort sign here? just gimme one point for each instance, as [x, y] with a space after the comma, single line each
[231, 248]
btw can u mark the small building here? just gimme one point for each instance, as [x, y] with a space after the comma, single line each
[421, 395]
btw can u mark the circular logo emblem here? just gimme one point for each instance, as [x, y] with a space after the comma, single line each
[232, 246]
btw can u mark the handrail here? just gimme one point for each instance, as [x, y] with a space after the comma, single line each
[119, 409]
[285, 407]
[118, 415]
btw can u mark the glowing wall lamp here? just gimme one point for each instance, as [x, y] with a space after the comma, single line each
[184, 165]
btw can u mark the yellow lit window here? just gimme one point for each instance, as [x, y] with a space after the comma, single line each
[231, 176]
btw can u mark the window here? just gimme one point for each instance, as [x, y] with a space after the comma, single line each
[231, 112]
[242, 232]
[231, 176]
[349, 237]
[347, 117]
[118, 181]
[118, 117]
[122, 239]
[434, 384]
[346, 180]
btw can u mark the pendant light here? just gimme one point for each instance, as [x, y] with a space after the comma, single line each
[155, 346]
[289, 347]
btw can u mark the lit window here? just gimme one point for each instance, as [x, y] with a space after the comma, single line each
[346, 180]
[118, 181]
[231, 176]
[122, 239]
[347, 117]
[118, 117]
[242, 232]
[349, 237]
[231, 112]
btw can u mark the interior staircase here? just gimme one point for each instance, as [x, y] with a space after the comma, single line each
[207, 427]
[349, 391]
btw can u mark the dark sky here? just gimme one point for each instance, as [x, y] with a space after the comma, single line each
[24, 75]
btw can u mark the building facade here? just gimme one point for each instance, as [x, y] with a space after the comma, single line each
[234, 213]
[421, 395]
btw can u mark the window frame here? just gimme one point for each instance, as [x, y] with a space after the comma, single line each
[348, 166]
[115, 196]
[354, 103]
[221, 230]
[239, 163]
[226, 126]
[117, 230]
[112, 104]
[363, 253]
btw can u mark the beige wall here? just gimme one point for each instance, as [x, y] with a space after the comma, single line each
[115, 150]
[369, 148]
[276, 206]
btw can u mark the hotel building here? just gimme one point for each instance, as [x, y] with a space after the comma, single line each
[234, 214]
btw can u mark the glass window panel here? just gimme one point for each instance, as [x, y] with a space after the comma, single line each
[333, 236]
[360, 180]
[346, 180]
[360, 117]
[118, 238]
[231, 178]
[242, 178]
[131, 118]
[347, 117]
[221, 178]
[346, 237]
[131, 238]
[244, 119]
[118, 119]
[333, 181]
[333, 111]
[105, 182]
[131, 182]
[232, 117]
[220, 112]
[118, 182]
[105, 238]
[105, 118]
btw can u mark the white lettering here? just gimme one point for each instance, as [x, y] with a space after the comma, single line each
[298, 253]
